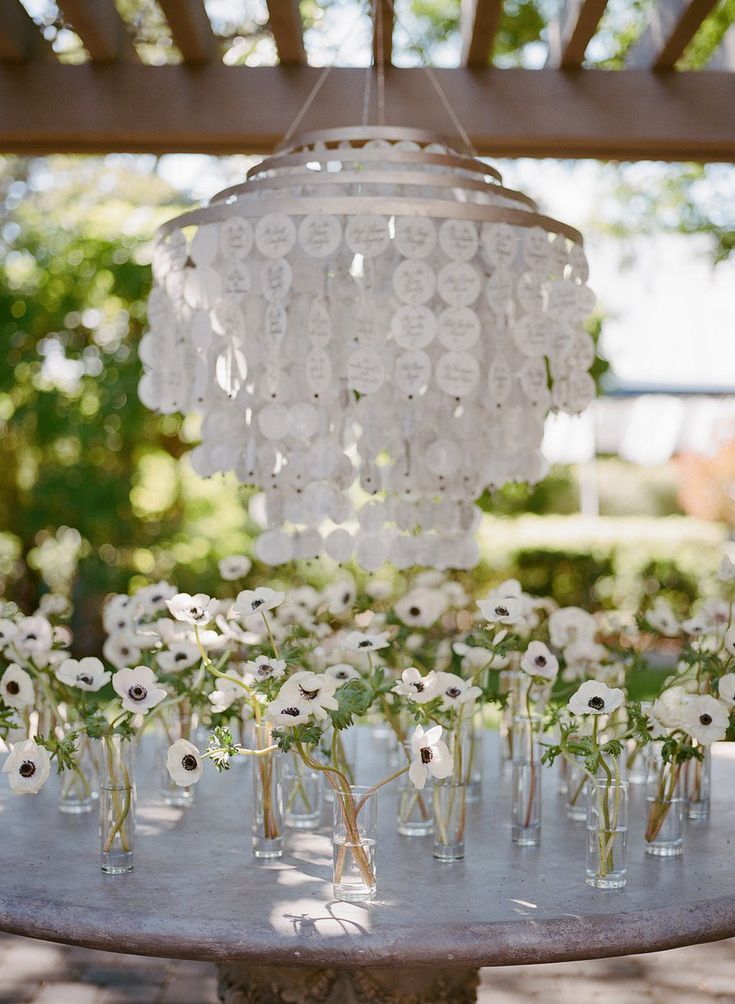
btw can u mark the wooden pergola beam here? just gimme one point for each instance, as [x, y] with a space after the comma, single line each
[672, 26]
[285, 23]
[20, 37]
[383, 23]
[100, 28]
[572, 31]
[629, 115]
[191, 30]
[479, 23]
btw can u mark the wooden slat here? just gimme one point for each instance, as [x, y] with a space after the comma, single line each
[672, 26]
[479, 23]
[288, 31]
[191, 30]
[723, 57]
[383, 17]
[627, 115]
[572, 32]
[20, 38]
[100, 28]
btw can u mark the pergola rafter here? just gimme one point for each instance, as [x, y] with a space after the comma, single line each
[116, 102]
[383, 22]
[100, 28]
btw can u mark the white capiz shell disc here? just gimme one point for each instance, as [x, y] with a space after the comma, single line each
[205, 245]
[339, 544]
[274, 547]
[307, 544]
[371, 551]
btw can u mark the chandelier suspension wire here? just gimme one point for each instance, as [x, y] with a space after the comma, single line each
[378, 15]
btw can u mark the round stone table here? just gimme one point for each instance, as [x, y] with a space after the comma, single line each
[277, 933]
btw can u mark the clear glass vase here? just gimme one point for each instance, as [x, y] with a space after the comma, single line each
[302, 794]
[449, 804]
[473, 766]
[354, 838]
[576, 802]
[607, 833]
[117, 804]
[635, 762]
[268, 836]
[174, 722]
[697, 776]
[664, 834]
[79, 787]
[345, 753]
[415, 813]
[526, 781]
[509, 687]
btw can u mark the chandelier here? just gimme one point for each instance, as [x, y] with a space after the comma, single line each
[373, 330]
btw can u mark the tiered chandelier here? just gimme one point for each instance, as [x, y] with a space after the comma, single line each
[373, 330]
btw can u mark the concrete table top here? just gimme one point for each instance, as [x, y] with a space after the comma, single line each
[198, 893]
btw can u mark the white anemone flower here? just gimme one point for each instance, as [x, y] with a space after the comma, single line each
[152, 599]
[184, 763]
[342, 672]
[340, 597]
[663, 619]
[180, 655]
[539, 661]
[235, 566]
[225, 694]
[413, 685]
[198, 610]
[695, 626]
[595, 698]
[86, 674]
[431, 756]
[570, 624]
[137, 689]
[8, 631]
[726, 571]
[668, 708]
[705, 718]
[729, 640]
[421, 607]
[257, 601]
[28, 767]
[356, 641]
[16, 687]
[455, 691]
[289, 711]
[262, 668]
[120, 650]
[506, 610]
[314, 690]
[34, 637]
[726, 689]
[119, 614]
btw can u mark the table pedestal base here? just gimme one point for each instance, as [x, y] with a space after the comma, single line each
[242, 983]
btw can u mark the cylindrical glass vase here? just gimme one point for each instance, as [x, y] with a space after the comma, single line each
[526, 781]
[509, 686]
[576, 802]
[697, 784]
[117, 804]
[664, 834]
[302, 794]
[473, 767]
[79, 786]
[268, 837]
[635, 762]
[449, 804]
[607, 833]
[174, 722]
[415, 808]
[354, 837]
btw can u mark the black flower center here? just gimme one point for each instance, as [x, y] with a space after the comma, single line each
[540, 660]
[597, 703]
[27, 768]
[292, 712]
[414, 611]
[453, 692]
[12, 687]
[256, 603]
[418, 687]
[137, 692]
[85, 678]
[124, 650]
[265, 669]
[426, 755]
[341, 674]
[196, 612]
[309, 695]
[346, 598]
[705, 719]
[180, 657]
[31, 636]
[189, 762]
[502, 611]
[365, 643]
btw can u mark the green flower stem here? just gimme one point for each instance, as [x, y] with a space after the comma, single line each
[121, 809]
